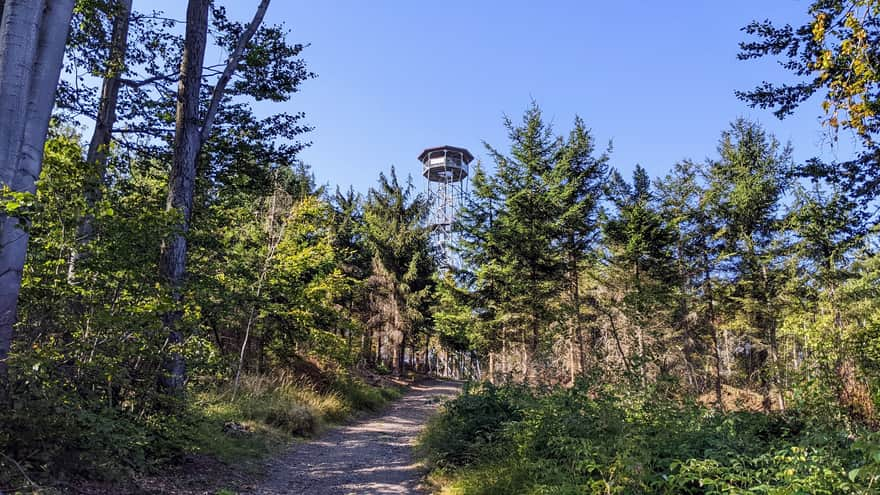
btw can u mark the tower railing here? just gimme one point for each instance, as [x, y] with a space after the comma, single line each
[446, 170]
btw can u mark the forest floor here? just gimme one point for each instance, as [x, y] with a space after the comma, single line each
[372, 456]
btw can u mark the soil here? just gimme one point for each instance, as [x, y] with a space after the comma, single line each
[737, 399]
[373, 456]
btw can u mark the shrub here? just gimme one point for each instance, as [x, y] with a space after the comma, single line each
[472, 422]
[587, 439]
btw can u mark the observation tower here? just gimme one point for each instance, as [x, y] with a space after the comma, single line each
[445, 169]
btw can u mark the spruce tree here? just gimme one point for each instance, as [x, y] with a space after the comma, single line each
[746, 185]
[403, 265]
[639, 258]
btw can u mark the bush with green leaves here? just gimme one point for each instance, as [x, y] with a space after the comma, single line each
[472, 423]
[592, 439]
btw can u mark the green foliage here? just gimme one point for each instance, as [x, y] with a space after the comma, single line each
[526, 232]
[569, 271]
[402, 279]
[82, 395]
[472, 422]
[362, 397]
[835, 55]
[593, 439]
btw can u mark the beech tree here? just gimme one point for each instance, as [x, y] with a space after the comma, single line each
[32, 36]
[98, 152]
[192, 130]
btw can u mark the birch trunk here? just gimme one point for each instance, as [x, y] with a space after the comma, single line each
[32, 39]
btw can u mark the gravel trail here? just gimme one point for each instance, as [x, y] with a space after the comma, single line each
[373, 456]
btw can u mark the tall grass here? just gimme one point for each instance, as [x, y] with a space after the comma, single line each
[267, 411]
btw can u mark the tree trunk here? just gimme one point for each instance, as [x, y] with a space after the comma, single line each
[32, 38]
[578, 327]
[187, 143]
[707, 288]
[505, 367]
[770, 323]
[401, 355]
[492, 368]
[367, 346]
[688, 347]
[98, 152]
[189, 135]
[379, 347]
[428, 353]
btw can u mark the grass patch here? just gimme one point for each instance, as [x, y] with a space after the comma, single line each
[100, 444]
[362, 397]
[267, 412]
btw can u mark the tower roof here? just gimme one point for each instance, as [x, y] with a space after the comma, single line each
[466, 155]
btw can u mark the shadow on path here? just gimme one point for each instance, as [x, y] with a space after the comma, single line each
[373, 456]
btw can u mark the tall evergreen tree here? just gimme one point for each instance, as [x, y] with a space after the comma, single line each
[527, 232]
[525, 266]
[746, 185]
[403, 266]
[576, 185]
[639, 248]
[696, 252]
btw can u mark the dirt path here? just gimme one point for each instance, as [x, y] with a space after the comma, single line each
[373, 456]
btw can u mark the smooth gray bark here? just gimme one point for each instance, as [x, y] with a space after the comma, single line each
[32, 40]
[190, 134]
[231, 67]
[182, 178]
[98, 151]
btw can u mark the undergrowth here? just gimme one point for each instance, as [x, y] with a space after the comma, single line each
[269, 410]
[40, 446]
[594, 440]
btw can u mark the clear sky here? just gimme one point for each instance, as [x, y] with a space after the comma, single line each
[395, 76]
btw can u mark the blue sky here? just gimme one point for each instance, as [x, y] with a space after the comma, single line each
[394, 77]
